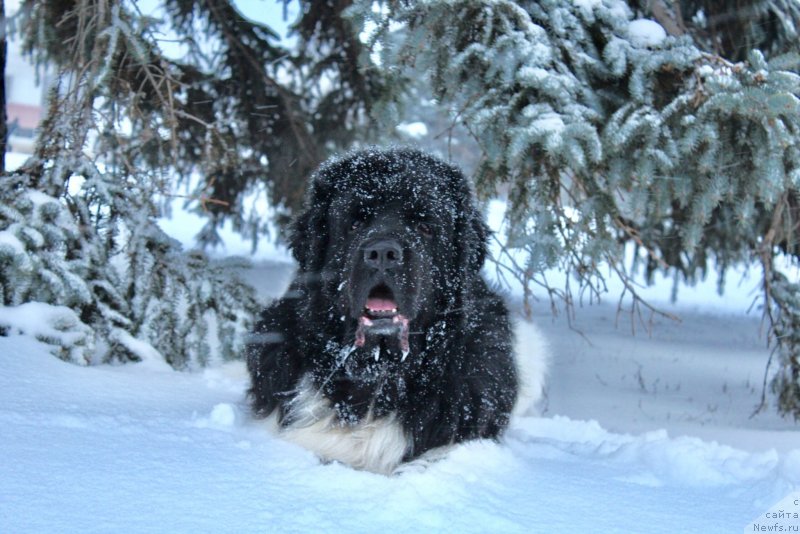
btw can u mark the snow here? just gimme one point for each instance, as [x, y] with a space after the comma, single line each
[39, 199]
[9, 240]
[783, 516]
[587, 5]
[15, 160]
[137, 449]
[646, 33]
[550, 123]
[57, 325]
[647, 432]
[413, 130]
[148, 355]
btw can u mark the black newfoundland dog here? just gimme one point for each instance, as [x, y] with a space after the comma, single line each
[388, 342]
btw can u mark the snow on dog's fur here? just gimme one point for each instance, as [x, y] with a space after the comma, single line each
[389, 343]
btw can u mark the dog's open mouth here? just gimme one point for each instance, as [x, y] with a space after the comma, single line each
[380, 317]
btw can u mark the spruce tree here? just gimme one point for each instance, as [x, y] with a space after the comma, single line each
[78, 224]
[680, 137]
[238, 114]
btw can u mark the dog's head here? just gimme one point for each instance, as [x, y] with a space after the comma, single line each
[387, 240]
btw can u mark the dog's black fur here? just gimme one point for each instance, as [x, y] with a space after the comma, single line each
[390, 226]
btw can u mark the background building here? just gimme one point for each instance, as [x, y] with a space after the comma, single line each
[25, 96]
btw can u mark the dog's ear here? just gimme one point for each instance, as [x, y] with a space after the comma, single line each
[308, 233]
[474, 236]
[299, 235]
[472, 232]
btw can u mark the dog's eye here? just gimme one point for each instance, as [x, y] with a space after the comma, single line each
[425, 229]
[354, 225]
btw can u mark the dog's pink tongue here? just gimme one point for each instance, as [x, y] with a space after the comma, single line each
[381, 304]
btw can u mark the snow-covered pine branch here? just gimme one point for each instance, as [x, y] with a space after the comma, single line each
[79, 240]
[605, 130]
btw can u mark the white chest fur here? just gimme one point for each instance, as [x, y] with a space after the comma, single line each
[379, 445]
[376, 445]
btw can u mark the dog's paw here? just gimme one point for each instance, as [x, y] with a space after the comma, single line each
[421, 464]
[414, 466]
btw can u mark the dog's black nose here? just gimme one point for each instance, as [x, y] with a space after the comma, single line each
[383, 254]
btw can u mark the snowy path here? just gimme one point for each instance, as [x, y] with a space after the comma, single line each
[138, 449]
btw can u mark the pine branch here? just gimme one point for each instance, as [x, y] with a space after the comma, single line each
[672, 22]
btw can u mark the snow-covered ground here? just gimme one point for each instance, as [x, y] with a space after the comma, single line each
[645, 433]
[649, 432]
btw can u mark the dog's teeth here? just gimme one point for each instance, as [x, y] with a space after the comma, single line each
[404, 356]
[394, 310]
[376, 352]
